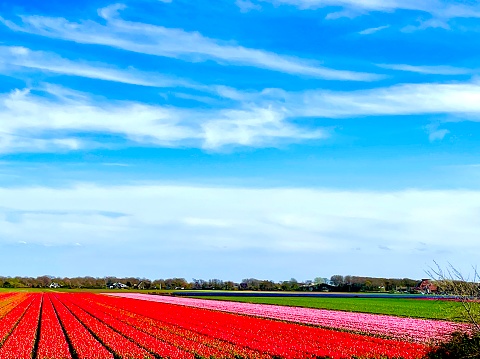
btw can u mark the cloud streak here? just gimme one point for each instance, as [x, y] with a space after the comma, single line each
[438, 8]
[403, 99]
[373, 30]
[429, 70]
[25, 58]
[174, 43]
[50, 121]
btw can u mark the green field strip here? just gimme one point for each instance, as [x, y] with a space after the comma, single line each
[413, 308]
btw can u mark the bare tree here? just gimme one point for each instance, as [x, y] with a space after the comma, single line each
[463, 289]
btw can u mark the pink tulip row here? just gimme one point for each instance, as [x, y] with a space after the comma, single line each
[418, 330]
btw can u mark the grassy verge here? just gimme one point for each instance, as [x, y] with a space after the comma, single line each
[426, 309]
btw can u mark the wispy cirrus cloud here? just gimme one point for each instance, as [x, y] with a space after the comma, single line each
[247, 5]
[370, 5]
[51, 120]
[429, 70]
[21, 57]
[175, 43]
[15, 60]
[397, 100]
[402, 99]
[433, 23]
[373, 30]
[438, 8]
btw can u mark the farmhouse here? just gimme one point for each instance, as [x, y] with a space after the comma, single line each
[426, 287]
[118, 285]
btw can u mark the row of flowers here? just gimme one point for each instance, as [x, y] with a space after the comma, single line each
[8, 301]
[110, 338]
[21, 341]
[11, 316]
[418, 330]
[186, 342]
[83, 325]
[52, 342]
[84, 345]
[274, 338]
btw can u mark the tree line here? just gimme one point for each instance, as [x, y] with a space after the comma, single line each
[346, 283]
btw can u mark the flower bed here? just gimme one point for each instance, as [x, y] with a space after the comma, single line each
[91, 326]
[419, 330]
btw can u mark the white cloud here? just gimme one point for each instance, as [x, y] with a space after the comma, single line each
[292, 220]
[17, 143]
[259, 125]
[174, 43]
[34, 122]
[14, 59]
[434, 23]
[348, 13]
[50, 62]
[373, 30]
[436, 134]
[34, 116]
[45, 121]
[455, 98]
[429, 70]
[371, 5]
[208, 222]
[247, 5]
[403, 99]
[438, 8]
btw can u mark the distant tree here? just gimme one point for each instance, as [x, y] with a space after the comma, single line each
[408, 283]
[44, 281]
[176, 283]
[290, 285]
[250, 284]
[267, 285]
[368, 285]
[215, 284]
[229, 285]
[198, 284]
[158, 284]
[337, 280]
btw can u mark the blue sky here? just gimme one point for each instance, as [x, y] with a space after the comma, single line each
[239, 138]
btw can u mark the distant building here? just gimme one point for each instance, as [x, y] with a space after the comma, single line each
[54, 285]
[426, 287]
[118, 285]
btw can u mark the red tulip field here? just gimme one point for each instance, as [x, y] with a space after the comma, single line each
[95, 326]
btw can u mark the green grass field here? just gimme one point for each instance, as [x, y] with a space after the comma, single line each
[428, 309]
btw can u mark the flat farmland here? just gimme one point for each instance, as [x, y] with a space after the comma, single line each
[132, 325]
[401, 307]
